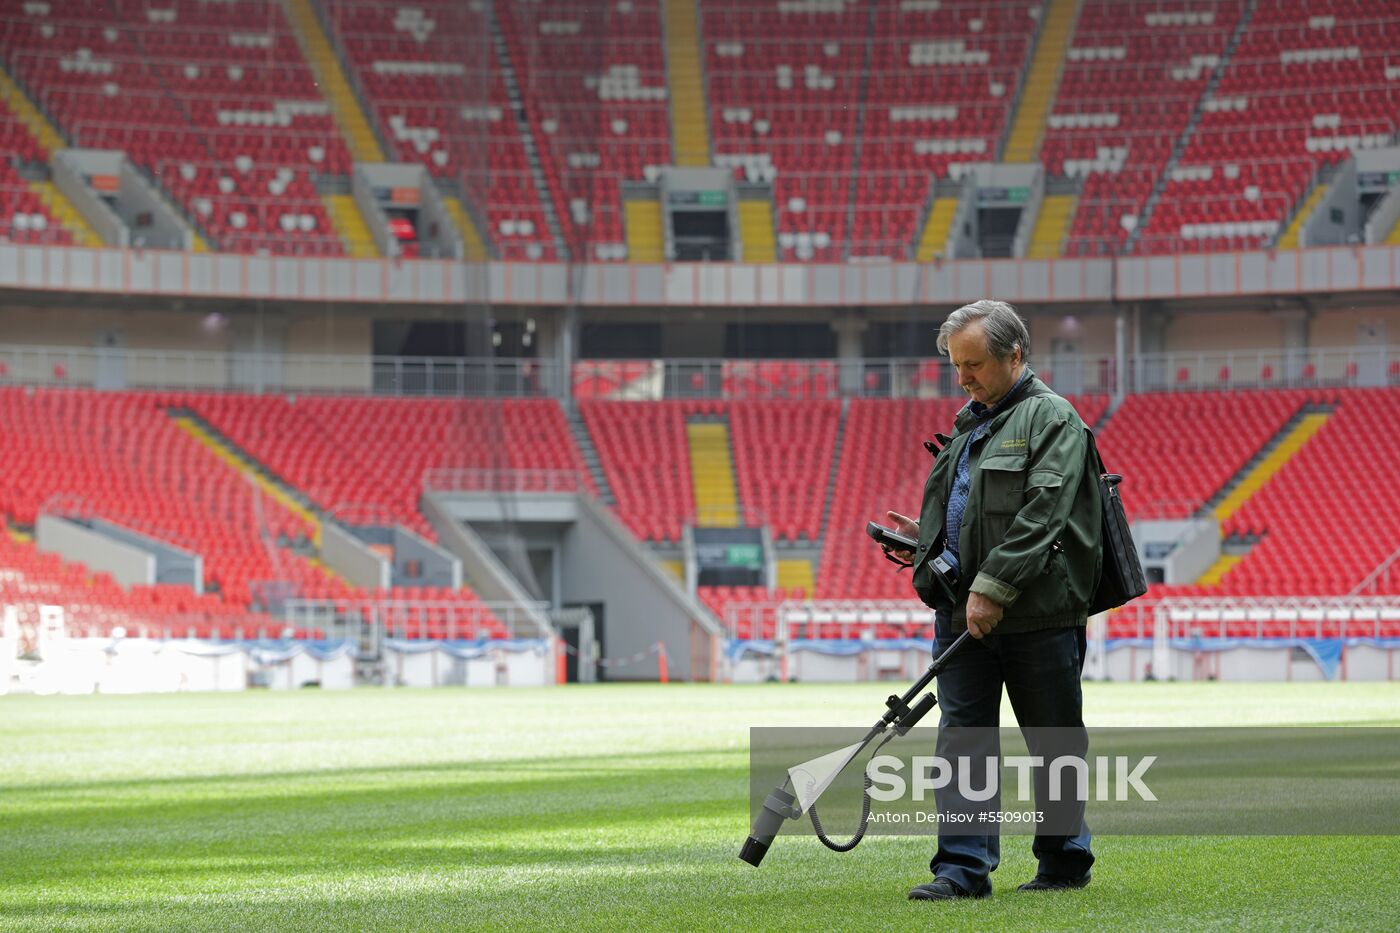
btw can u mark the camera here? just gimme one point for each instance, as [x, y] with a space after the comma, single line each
[936, 580]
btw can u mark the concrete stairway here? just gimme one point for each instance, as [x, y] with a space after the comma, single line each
[712, 474]
[1261, 468]
[794, 574]
[584, 440]
[756, 230]
[350, 226]
[1289, 238]
[1056, 212]
[345, 105]
[242, 462]
[57, 204]
[642, 218]
[936, 228]
[1278, 452]
[690, 126]
[1042, 81]
[473, 244]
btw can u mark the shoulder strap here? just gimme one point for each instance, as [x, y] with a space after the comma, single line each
[1094, 451]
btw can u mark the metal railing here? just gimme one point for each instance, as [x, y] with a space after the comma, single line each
[1384, 579]
[1232, 370]
[219, 371]
[417, 618]
[1185, 617]
[1271, 617]
[644, 380]
[796, 620]
[474, 479]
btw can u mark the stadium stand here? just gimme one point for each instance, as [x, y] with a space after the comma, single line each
[594, 80]
[939, 97]
[212, 100]
[1173, 465]
[369, 456]
[762, 622]
[23, 216]
[869, 481]
[782, 461]
[431, 81]
[777, 379]
[642, 446]
[784, 94]
[1185, 126]
[95, 604]
[1329, 516]
[121, 456]
[1306, 86]
[1132, 79]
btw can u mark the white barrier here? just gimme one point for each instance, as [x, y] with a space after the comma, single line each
[289, 666]
[77, 666]
[519, 662]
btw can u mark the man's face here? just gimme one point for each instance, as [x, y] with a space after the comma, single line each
[980, 374]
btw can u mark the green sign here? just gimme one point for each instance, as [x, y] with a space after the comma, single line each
[699, 198]
[743, 555]
[1004, 195]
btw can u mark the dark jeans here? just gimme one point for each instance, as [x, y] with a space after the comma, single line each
[1041, 672]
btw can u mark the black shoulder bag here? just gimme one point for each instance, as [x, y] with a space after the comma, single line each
[1122, 579]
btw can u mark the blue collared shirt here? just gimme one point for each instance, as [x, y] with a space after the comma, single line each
[962, 477]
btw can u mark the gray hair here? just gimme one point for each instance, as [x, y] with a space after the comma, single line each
[1004, 328]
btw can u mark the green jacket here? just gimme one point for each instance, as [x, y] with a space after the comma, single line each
[1031, 533]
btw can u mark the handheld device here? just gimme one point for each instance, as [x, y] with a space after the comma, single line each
[890, 538]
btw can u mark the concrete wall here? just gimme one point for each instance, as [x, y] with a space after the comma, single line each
[1094, 334]
[432, 215]
[643, 603]
[69, 166]
[1348, 328]
[1384, 217]
[82, 327]
[1336, 219]
[350, 557]
[167, 229]
[128, 565]
[173, 565]
[327, 331]
[1244, 330]
[487, 576]
[362, 182]
[1325, 270]
[440, 568]
[597, 561]
[1197, 545]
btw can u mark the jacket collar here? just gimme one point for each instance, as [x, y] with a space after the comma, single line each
[1029, 387]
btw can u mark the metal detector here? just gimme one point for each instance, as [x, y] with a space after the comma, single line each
[811, 778]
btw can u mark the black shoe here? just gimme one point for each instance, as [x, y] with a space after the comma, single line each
[945, 889]
[1055, 883]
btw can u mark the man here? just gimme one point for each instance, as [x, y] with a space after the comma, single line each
[1011, 508]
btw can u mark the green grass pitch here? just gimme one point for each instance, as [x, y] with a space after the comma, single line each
[603, 807]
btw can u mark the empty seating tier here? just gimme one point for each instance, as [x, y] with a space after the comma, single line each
[211, 100]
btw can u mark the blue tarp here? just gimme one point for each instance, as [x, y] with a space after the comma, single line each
[735, 649]
[279, 650]
[1327, 652]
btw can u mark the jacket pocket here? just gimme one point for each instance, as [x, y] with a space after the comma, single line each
[1003, 482]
